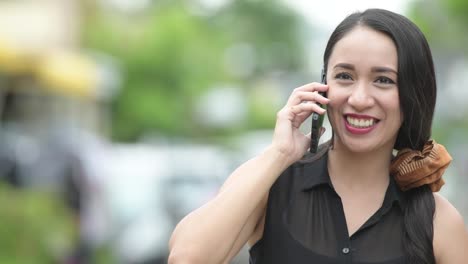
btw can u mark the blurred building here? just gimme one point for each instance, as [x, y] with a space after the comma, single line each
[54, 105]
[50, 90]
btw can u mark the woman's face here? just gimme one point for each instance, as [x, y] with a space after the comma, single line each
[364, 107]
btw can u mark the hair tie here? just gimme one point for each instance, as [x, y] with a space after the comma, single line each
[414, 168]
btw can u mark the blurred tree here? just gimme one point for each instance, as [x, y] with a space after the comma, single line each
[36, 227]
[458, 9]
[445, 24]
[172, 52]
[39, 224]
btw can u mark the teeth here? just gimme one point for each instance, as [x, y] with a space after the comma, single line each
[360, 123]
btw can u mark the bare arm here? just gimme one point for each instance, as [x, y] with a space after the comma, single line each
[450, 234]
[216, 232]
[213, 228]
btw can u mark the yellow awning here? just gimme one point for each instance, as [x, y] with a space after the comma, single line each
[14, 60]
[66, 72]
[69, 73]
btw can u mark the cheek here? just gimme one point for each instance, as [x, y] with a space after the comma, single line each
[395, 111]
[337, 102]
[336, 98]
[333, 109]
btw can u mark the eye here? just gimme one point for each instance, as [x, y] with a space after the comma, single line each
[343, 76]
[384, 80]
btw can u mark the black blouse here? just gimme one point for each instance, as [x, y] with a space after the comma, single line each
[305, 223]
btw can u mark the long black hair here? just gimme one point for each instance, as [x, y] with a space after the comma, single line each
[417, 94]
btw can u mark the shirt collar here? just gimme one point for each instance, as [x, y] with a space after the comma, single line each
[393, 194]
[316, 174]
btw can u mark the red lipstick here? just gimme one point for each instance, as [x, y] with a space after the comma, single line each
[359, 130]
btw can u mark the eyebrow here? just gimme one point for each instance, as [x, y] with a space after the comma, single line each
[373, 69]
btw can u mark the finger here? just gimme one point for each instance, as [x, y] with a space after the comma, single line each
[314, 86]
[303, 97]
[311, 87]
[302, 112]
[300, 118]
[321, 99]
[308, 107]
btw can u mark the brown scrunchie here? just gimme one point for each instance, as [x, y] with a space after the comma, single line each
[413, 168]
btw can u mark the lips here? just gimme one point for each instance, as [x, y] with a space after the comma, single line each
[360, 124]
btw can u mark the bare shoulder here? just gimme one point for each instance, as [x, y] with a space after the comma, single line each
[450, 233]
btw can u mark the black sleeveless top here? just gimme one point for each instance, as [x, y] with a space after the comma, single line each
[305, 223]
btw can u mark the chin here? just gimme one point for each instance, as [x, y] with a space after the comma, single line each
[367, 150]
[361, 145]
[360, 148]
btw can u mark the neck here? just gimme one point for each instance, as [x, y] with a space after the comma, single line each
[358, 171]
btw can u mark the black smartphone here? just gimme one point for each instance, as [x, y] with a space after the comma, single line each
[317, 122]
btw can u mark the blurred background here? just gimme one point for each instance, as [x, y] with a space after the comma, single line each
[118, 117]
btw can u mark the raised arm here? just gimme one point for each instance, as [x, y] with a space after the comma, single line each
[215, 232]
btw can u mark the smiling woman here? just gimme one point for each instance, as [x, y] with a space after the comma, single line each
[353, 201]
[364, 107]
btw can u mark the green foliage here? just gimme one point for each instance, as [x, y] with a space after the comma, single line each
[272, 28]
[171, 56]
[167, 59]
[444, 23]
[35, 227]
[458, 9]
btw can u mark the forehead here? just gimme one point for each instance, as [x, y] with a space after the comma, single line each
[365, 47]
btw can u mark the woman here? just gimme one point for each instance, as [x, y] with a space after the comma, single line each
[353, 202]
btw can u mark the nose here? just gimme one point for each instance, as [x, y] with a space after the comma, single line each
[361, 97]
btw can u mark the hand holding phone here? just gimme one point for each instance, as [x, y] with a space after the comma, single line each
[317, 122]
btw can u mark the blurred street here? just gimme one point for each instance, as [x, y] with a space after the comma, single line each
[119, 117]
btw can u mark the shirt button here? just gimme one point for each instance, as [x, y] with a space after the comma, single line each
[345, 250]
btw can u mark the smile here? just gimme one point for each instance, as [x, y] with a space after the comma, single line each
[360, 124]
